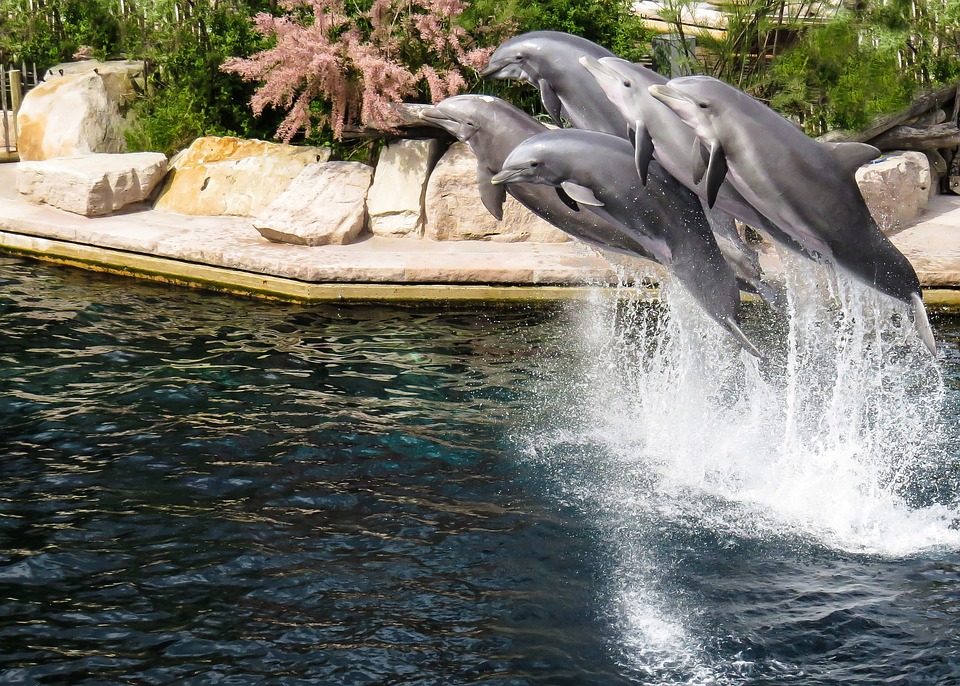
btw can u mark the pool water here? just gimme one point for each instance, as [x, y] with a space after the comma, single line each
[200, 489]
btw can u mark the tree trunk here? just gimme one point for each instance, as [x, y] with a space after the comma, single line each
[926, 138]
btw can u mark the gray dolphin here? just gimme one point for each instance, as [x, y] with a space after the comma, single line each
[805, 187]
[659, 132]
[597, 171]
[549, 60]
[493, 128]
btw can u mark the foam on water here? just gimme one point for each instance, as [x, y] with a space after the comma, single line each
[834, 439]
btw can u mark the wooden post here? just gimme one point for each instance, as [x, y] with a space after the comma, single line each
[16, 97]
[3, 108]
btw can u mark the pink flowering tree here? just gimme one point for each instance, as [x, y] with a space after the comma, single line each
[360, 62]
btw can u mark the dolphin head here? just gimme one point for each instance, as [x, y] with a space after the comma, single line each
[510, 61]
[532, 161]
[698, 100]
[462, 116]
[614, 85]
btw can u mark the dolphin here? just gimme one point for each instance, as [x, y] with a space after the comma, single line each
[493, 128]
[549, 61]
[804, 187]
[596, 170]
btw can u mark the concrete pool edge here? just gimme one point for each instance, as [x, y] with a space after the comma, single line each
[264, 286]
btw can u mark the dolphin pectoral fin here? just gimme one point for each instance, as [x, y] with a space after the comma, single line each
[551, 101]
[852, 156]
[581, 194]
[632, 135]
[730, 325]
[567, 200]
[698, 160]
[716, 172]
[643, 152]
[491, 196]
[923, 324]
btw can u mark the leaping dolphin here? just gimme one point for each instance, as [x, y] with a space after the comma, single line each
[657, 130]
[493, 128]
[548, 60]
[596, 170]
[805, 187]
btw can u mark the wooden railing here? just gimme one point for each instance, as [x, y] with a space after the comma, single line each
[13, 84]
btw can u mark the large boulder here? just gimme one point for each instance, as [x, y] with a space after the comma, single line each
[896, 188]
[233, 176]
[325, 204]
[455, 212]
[77, 113]
[91, 185]
[395, 202]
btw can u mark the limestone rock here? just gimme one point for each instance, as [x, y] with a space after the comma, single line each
[70, 115]
[896, 188]
[325, 204]
[217, 176]
[123, 79]
[91, 184]
[455, 212]
[395, 202]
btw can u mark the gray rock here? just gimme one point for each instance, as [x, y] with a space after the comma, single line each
[896, 189]
[325, 204]
[395, 202]
[455, 212]
[91, 185]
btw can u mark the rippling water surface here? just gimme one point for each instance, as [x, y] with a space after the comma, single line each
[198, 489]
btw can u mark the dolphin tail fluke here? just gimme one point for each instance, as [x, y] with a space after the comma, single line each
[923, 324]
[730, 325]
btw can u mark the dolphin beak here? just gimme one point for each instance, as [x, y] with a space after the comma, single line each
[665, 94]
[492, 69]
[433, 115]
[596, 69]
[506, 176]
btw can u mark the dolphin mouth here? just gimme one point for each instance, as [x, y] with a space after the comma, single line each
[665, 94]
[506, 176]
[434, 116]
[491, 69]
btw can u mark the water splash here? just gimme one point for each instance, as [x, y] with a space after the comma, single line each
[660, 421]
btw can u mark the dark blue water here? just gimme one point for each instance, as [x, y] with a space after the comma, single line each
[198, 489]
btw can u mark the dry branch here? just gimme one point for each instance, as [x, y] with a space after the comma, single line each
[924, 138]
[923, 103]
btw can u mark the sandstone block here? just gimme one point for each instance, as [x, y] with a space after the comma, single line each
[217, 176]
[70, 115]
[91, 184]
[455, 212]
[325, 204]
[395, 202]
[896, 188]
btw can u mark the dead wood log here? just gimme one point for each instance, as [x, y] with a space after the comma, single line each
[918, 138]
[924, 102]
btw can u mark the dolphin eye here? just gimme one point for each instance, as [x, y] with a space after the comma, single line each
[703, 105]
[471, 124]
[534, 164]
[627, 84]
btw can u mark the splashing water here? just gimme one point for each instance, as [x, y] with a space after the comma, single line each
[662, 421]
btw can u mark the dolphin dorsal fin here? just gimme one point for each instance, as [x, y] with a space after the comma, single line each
[644, 151]
[580, 194]
[551, 101]
[851, 156]
[491, 196]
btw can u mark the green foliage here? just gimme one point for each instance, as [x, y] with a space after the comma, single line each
[840, 75]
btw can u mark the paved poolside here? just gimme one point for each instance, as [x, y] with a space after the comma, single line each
[228, 254]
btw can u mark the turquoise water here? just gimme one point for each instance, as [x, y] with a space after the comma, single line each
[198, 489]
